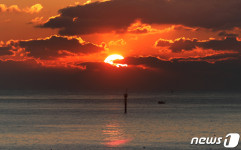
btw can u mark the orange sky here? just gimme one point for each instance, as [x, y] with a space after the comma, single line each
[16, 25]
[22, 26]
[157, 38]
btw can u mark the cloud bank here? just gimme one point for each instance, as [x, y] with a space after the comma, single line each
[229, 43]
[118, 15]
[51, 47]
[177, 75]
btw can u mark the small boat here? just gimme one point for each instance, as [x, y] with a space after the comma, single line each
[161, 102]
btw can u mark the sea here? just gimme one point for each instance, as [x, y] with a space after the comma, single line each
[95, 120]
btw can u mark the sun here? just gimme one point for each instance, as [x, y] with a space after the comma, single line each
[110, 60]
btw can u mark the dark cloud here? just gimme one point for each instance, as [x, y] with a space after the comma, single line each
[229, 43]
[118, 15]
[147, 61]
[5, 51]
[225, 34]
[31, 75]
[177, 75]
[50, 48]
[193, 74]
[212, 58]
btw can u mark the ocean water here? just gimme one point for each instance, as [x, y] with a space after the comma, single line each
[94, 120]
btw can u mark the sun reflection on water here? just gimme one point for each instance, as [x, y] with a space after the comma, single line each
[114, 135]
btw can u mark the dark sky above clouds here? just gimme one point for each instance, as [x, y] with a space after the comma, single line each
[167, 44]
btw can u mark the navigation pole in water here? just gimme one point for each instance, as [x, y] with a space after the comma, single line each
[125, 101]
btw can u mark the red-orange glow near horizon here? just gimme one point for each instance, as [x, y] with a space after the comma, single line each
[116, 143]
[110, 60]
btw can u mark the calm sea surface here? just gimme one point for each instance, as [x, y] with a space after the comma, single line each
[62, 120]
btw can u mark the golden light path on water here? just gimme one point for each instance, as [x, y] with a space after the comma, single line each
[114, 135]
[110, 60]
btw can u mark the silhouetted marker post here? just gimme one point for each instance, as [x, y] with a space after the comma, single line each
[125, 101]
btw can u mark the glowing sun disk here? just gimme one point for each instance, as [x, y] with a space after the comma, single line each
[110, 60]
